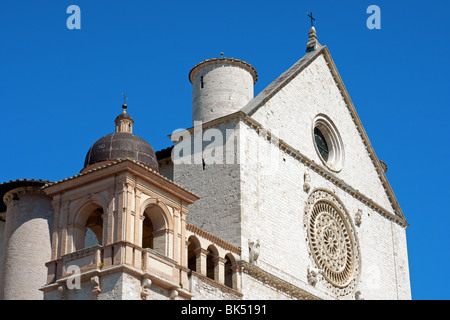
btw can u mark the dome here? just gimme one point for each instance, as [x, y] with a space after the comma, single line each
[121, 145]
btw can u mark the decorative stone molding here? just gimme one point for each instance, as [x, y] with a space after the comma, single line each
[358, 295]
[275, 282]
[313, 275]
[336, 157]
[173, 294]
[95, 281]
[145, 292]
[62, 291]
[12, 197]
[221, 61]
[384, 166]
[306, 181]
[254, 250]
[332, 243]
[142, 170]
[358, 218]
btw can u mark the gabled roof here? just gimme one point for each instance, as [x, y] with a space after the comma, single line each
[296, 69]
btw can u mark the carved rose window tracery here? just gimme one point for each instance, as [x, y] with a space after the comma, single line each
[332, 243]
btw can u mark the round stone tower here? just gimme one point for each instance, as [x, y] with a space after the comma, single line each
[221, 86]
[27, 240]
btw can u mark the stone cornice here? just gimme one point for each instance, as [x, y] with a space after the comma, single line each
[222, 243]
[13, 184]
[21, 191]
[121, 268]
[275, 282]
[224, 60]
[113, 168]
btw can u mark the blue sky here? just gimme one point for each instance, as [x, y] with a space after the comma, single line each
[60, 89]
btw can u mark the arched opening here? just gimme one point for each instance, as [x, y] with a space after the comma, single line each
[211, 262]
[228, 272]
[193, 253]
[155, 231]
[87, 228]
[94, 229]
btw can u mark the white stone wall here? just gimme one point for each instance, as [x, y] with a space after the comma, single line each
[261, 198]
[272, 201]
[202, 290]
[291, 113]
[218, 186]
[401, 263]
[256, 290]
[273, 205]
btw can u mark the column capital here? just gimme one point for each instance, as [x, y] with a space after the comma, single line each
[201, 251]
[220, 260]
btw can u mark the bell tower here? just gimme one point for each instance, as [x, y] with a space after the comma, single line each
[118, 228]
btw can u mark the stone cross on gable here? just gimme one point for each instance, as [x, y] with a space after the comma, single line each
[312, 19]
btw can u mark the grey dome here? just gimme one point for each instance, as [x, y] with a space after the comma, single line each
[121, 145]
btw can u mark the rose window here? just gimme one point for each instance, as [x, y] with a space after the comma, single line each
[331, 241]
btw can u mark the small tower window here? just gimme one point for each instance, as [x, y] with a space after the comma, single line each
[201, 82]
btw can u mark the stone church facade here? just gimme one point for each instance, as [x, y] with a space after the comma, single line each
[278, 196]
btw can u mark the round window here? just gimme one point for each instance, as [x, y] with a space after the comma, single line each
[321, 143]
[328, 143]
[332, 241]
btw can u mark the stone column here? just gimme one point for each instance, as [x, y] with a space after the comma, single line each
[236, 277]
[201, 256]
[219, 269]
[176, 239]
[138, 218]
[183, 253]
[27, 246]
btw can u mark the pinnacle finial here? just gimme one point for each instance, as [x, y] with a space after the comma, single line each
[312, 44]
[124, 106]
[124, 122]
